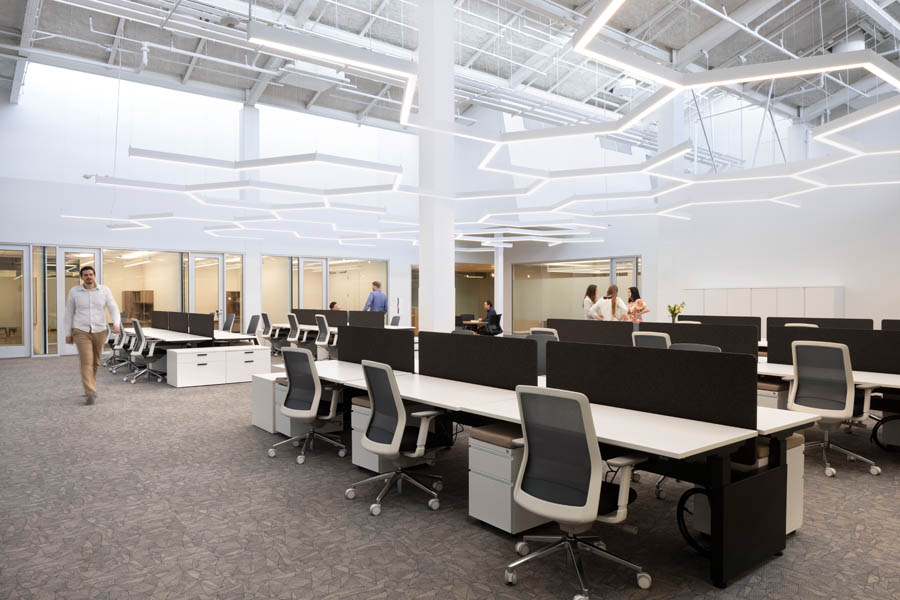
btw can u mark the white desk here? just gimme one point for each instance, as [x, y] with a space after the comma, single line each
[888, 380]
[168, 336]
[773, 420]
[400, 327]
[232, 336]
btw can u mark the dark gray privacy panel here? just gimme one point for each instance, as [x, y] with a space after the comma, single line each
[482, 360]
[874, 350]
[365, 318]
[725, 320]
[703, 386]
[617, 333]
[824, 323]
[741, 339]
[393, 347]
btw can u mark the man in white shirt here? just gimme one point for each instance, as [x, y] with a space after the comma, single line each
[84, 325]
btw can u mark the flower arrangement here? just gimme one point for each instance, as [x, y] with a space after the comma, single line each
[675, 310]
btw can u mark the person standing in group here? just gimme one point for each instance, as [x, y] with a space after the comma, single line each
[590, 300]
[637, 308]
[84, 324]
[611, 307]
[377, 301]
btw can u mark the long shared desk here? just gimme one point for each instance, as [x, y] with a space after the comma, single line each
[867, 378]
[167, 336]
[693, 451]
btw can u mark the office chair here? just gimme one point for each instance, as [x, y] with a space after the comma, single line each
[252, 328]
[463, 331]
[493, 326]
[689, 322]
[267, 332]
[304, 401]
[142, 355]
[388, 435]
[293, 337]
[823, 385]
[650, 339]
[395, 320]
[694, 347]
[322, 339]
[119, 357]
[812, 325]
[229, 322]
[561, 478]
[111, 342]
[541, 336]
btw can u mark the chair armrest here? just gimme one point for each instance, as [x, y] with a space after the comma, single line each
[425, 413]
[152, 347]
[866, 386]
[787, 378]
[333, 399]
[425, 417]
[519, 442]
[628, 460]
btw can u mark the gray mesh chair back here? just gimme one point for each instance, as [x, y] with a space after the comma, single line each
[139, 337]
[267, 325]
[387, 423]
[229, 322]
[322, 336]
[304, 387]
[541, 338]
[823, 379]
[650, 339]
[463, 331]
[558, 478]
[395, 320]
[294, 331]
[694, 347]
[253, 325]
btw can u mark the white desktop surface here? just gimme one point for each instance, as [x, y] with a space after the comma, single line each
[166, 335]
[347, 373]
[232, 335]
[401, 327]
[773, 420]
[888, 380]
[311, 328]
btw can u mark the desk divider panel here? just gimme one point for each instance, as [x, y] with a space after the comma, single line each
[739, 339]
[890, 324]
[726, 320]
[877, 351]
[823, 323]
[482, 360]
[702, 386]
[365, 318]
[178, 321]
[307, 316]
[616, 333]
[201, 324]
[159, 319]
[390, 346]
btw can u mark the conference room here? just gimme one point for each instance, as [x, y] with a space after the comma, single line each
[449, 299]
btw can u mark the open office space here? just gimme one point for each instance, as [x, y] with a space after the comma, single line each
[449, 299]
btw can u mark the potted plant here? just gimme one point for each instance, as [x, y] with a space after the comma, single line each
[675, 310]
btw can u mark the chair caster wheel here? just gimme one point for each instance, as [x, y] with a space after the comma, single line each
[509, 577]
[644, 581]
[342, 453]
[438, 485]
[851, 459]
[522, 549]
[124, 379]
[133, 381]
[580, 597]
[350, 494]
[874, 470]
[636, 477]
[159, 380]
[375, 510]
[271, 452]
[301, 459]
[830, 472]
[433, 504]
[295, 443]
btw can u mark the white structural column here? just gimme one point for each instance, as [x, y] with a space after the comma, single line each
[506, 319]
[437, 295]
[249, 148]
[672, 130]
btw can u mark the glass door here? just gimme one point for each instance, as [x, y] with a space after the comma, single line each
[312, 284]
[72, 260]
[208, 285]
[15, 339]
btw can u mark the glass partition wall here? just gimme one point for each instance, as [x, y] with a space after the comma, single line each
[350, 281]
[543, 291]
[277, 285]
[142, 281]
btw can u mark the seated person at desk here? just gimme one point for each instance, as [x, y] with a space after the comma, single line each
[377, 301]
[489, 312]
[334, 306]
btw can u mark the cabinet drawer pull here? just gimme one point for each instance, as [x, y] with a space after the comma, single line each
[201, 364]
[248, 351]
[248, 361]
[201, 355]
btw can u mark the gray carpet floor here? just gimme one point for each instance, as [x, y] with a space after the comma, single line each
[162, 493]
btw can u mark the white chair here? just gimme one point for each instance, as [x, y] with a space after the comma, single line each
[388, 435]
[650, 339]
[229, 322]
[293, 336]
[810, 325]
[542, 336]
[544, 331]
[303, 401]
[561, 478]
[142, 355]
[689, 322]
[823, 385]
[325, 341]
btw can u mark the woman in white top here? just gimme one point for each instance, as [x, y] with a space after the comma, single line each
[590, 299]
[611, 307]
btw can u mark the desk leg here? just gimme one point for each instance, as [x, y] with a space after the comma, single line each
[719, 477]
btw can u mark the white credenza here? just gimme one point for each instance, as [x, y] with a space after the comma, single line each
[189, 367]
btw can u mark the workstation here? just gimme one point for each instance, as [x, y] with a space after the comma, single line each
[423, 299]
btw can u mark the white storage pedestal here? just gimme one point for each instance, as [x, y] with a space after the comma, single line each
[263, 405]
[772, 394]
[795, 477]
[359, 417]
[493, 469]
[189, 367]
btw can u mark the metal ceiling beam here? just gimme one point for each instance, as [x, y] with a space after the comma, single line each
[875, 11]
[551, 10]
[365, 112]
[201, 45]
[374, 17]
[32, 12]
[262, 82]
[306, 8]
[120, 30]
[721, 31]
[487, 44]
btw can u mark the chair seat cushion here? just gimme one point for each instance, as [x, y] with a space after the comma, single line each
[828, 404]
[497, 434]
[609, 498]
